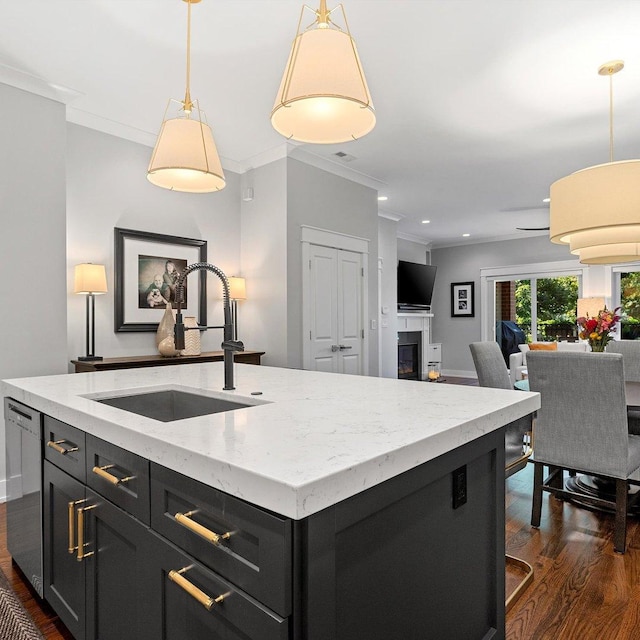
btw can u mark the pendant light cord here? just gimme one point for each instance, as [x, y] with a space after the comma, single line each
[188, 105]
[610, 117]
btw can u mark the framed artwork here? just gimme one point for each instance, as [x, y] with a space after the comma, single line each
[146, 268]
[462, 300]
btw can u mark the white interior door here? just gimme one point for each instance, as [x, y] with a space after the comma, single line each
[336, 301]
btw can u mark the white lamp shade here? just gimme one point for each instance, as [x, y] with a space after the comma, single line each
[590, 307]
[237, 288]
[323, 97]
[90, 278]
[597, 212]
[185, 158]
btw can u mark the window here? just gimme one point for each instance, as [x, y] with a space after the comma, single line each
[628, 289]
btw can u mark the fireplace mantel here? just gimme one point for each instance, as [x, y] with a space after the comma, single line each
[421, 321]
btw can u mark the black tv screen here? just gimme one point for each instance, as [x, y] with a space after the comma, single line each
[415, 284]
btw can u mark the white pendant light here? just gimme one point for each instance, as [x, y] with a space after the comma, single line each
[185, 156]
[323, 97]
[596, 211]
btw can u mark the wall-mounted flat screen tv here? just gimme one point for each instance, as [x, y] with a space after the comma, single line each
[415, 285]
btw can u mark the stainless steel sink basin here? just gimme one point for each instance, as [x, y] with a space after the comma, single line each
[170, 405]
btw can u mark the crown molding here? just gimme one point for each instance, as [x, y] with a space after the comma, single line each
[389, 215]
[467, 241]
[412, 238]
[35, 84]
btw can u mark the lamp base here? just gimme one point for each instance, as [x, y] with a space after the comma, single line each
[89, 358]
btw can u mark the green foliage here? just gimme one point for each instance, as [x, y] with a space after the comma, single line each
[557, 299]
[630, 295]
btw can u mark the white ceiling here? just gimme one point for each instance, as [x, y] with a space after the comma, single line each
[481, 104]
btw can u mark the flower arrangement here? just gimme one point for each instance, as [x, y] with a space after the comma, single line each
[598, 330]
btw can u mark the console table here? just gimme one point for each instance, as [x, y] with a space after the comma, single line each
[132, 362]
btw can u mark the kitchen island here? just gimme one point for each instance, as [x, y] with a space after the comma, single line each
[384, 499]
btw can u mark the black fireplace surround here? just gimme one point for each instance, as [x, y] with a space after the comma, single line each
[409, 355]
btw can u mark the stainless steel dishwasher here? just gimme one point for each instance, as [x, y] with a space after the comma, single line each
[24, 489]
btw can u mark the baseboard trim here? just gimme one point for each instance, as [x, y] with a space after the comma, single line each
[458, 373]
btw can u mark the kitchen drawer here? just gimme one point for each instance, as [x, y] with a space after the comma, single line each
[119, 476]
[256, 556]
[65, 447]
[175, 614]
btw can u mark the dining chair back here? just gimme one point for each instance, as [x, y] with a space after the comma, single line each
[492, 372]
[630, 350]
[582, 426]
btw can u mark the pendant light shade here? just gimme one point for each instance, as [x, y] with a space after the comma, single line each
[323, 96]
[596, 211]
[185, 156]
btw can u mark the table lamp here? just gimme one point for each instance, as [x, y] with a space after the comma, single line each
[590, 307]
[90, 280]
[237, 291]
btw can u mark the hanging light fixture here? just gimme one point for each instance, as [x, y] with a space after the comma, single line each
[323, 97]
[597, 210]
[185, 156]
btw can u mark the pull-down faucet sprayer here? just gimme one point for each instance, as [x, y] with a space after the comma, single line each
[229, 345]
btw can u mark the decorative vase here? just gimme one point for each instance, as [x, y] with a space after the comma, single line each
[191, 338]
[167, 347]
[166, 325]
[598, 347]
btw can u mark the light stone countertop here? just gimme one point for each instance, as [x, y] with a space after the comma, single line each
[320, 437]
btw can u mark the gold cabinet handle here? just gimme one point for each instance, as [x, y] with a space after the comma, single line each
[210, 536]
[72, 546]
[55, 445]
[206, 601]
[81, 543]
[104, 473]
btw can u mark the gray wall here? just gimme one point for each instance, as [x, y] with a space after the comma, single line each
[412, 251]
[32, 243]
[262, 317]
[463, 264]
[106, 188]
[320, 199]
[388, 289]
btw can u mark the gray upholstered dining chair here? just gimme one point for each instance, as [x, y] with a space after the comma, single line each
[492, 372]
[630, 350]
[582, 426]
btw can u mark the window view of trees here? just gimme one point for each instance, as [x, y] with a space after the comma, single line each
[556, 303]
[630, 303]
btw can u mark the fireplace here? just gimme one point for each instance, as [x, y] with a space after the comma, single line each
[409, 355]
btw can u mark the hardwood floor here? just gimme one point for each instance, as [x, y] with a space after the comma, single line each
[45, 618]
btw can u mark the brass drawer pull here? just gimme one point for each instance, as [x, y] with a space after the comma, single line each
[103, 473]
[206, 601]
[55, 445]
[81, 543]
[210, 536]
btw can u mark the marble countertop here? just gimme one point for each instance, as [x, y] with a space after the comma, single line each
[318, 438]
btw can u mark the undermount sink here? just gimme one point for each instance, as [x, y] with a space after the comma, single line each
[169, 405]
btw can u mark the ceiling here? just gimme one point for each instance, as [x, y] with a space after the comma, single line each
[480, 105]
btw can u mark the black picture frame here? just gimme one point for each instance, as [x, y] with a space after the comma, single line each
[130, 246]
[463, 304]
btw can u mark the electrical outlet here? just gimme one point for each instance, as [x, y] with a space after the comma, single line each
[459, 486]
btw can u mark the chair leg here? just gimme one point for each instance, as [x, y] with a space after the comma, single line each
[536, 506]
[620, 528]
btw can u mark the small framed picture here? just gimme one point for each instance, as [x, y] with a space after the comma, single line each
[462, 300]
[147, 267]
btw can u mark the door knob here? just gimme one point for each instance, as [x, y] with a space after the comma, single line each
[335, 347]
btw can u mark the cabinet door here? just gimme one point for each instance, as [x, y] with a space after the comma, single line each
[184, 607]
[115, 577]
[64, 580]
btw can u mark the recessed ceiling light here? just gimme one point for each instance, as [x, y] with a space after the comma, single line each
[382, 198]
[546, 200]
[466, 235]
[426, 221]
